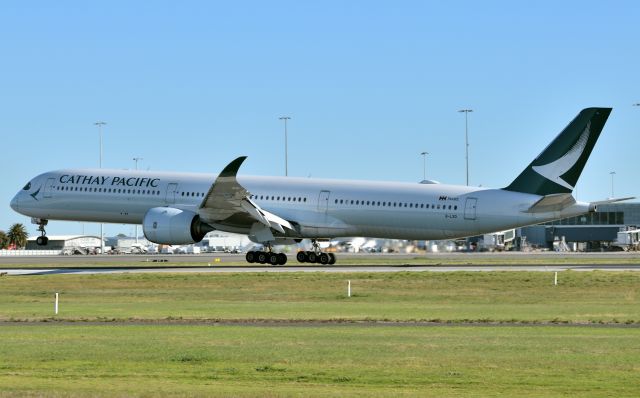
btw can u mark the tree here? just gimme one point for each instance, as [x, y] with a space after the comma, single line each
[4, 240]
[18, 235]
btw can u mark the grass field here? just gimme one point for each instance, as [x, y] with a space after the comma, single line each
[81, 360]
[591, 297]
[151, 334]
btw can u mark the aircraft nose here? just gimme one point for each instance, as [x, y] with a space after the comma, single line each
[14, 203]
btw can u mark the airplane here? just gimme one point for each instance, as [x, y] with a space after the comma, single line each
[181, 208]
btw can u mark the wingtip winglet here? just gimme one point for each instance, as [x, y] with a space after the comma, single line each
[232, 168]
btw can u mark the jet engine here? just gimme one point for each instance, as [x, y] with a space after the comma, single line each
[170, 226]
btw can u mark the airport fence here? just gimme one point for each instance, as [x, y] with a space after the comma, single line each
[29, 252]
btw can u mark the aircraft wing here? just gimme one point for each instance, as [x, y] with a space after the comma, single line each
[229, 202]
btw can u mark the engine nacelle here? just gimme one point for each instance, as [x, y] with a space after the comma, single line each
[171, 226]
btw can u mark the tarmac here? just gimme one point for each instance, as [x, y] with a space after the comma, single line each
[215, 262]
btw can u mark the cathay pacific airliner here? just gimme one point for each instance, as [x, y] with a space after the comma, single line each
[180, 208]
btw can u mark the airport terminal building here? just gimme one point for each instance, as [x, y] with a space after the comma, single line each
[64, 242]
[593, 231]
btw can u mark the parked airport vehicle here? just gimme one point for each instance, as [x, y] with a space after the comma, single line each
[180, 208]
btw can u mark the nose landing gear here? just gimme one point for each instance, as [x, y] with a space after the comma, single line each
[41, 240]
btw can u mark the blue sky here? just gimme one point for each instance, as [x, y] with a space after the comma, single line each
[188, 86]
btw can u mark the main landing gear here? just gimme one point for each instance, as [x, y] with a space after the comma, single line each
[269, 257]
[263, 257]
[316, 256]
[41, 240]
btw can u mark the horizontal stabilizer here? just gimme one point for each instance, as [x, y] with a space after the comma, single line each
[553, 202]
[612, 200]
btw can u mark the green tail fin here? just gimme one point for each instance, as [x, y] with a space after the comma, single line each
[557, 168]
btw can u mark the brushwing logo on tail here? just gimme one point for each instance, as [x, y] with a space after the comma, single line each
[554, 170]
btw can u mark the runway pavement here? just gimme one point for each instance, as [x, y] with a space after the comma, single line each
[219, 262]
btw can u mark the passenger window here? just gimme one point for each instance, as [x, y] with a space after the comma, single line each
[455, 207]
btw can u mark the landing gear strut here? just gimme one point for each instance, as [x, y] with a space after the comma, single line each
[41, 240]
[316, 255]
[268, 256]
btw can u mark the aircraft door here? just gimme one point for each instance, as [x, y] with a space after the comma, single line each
[323, 201]
[48, 188]
[470, 209]
[172, 189]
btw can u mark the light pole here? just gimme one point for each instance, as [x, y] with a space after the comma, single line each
[466, 138]
[286, 165]
[612, 174]
[136, 160]
[424, 165]
[100, 124]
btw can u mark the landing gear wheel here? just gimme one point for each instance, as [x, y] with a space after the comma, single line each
[312, 257]
[250, 257]
[41, 240]
[324, 258]
[282, 259]
[332, 258]
[262, 257]
[273, 259]
[301, 257]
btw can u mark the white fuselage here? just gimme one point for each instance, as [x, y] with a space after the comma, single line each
[321, 208]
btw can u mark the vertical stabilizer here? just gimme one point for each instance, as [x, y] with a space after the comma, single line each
[558, 167]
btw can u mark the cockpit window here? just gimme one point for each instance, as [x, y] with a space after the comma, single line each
[27, 187]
